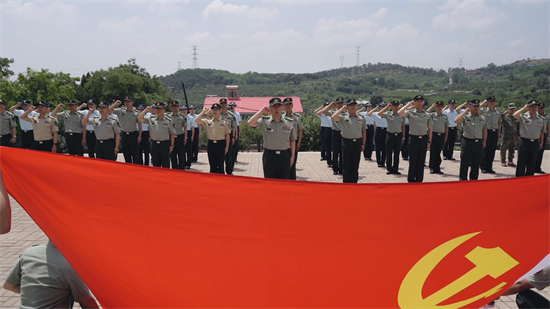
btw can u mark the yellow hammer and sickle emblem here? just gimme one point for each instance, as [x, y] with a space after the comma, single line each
[492, 262]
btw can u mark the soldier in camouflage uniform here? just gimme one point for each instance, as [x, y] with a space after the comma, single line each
[509, 138]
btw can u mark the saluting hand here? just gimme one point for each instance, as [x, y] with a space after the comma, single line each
[117, 102]
[206, 110]
[148, 108]
[32, 108]
[18, 104]
[266, 109]
[467, 110]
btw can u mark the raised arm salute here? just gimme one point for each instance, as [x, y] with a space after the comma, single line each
[473, 140]
[44, 127]
[7, 126]
[218, 133]
[531, 132]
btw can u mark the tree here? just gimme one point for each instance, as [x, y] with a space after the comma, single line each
[5, 71]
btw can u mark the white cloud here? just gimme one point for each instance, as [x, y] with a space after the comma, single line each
[166, 6]
[217, 9]
[198, 38]
[332, 31]
[173, 25]
[121, 26]
[456, 47]
[49, 13]
[468, 14]
[398, 34]
[380, 13]
[515, 43]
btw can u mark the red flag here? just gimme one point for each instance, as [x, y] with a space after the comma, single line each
[151, 237]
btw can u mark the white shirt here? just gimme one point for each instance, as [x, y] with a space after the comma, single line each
[369, 120]
[24, 125]
[238, 117]
[191, 122]
[326, 121]
[144, 126]
[379, 121]
[451, 115]
[90, 127]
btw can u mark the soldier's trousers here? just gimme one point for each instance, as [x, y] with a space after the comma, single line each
[337, 166]
[470, 157]
[322, 134]
[27, 139]
[488, 154]
[74, 144]
[369, 143]
[130, 146]
[177, 156]
[189, 149]
[508, 144]
[235, 149]
[195, 146]
[435, 151]
[538, 162]
[276, 163]
[105, 149]
[351, 156]
[380, 145]
[405, 146]
[160, 153]
[418, 145]
[527, 155]
[292, 172]
[43, 145]
[144, 148]
[449, 147]
[393, 147]
[90, 143]
[328, 145]
[5, 140]
[228, 158]
[216, 156]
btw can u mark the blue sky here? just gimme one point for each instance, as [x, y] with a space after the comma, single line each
[270, 36]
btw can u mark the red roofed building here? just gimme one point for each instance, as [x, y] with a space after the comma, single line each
[249, 105]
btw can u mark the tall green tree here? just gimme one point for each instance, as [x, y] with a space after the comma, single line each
[5, 71]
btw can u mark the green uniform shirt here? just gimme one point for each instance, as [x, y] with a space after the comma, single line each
[440, 123]
[394, 121]
[493, 117]
[546, 118]
[297, 120]
[160, 129]
[7, 121]
[352, 126]
[418, 122]
[509, 126]
[72, 121]
[216, 129]
[43, 128]
[230, 118]
[530, 127]
[335, 125]
[277, 134]
[180, 122]
[128, 119]
[47, 280]
[104, 128]
[473, 126]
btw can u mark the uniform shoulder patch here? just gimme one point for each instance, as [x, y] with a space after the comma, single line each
[168, 117]
[289, 118]
[113, 118]
[265, 117]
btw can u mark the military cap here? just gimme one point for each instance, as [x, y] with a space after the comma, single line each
[26, 102]
[274, 101]
[72, 102]
[287, 101]
[3, 102]
[491, 98]
[183, 107]
[191, 106]
[368, 104]
[103, 103]
[451, 101]
[232, 104]
[532, 102]
[382, 104]
[541, 105]
[418, 97]
[395, 102]
[351, 101]
[511, 106]
[223, 100]
[141, 106]
[175, 103]
[229, 106]
[159, 105]
[42, 103]
[326, 103]
[339, 100]
[128, 98]
[92, 102]
[474, 102]
[439, 103]
[216, 105]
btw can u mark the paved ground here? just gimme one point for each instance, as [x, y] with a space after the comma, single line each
[26, 233]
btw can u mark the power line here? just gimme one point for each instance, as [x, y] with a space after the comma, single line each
[358, 53]
[179, 65]
[195, 64]
[341, 61]
[460, 62]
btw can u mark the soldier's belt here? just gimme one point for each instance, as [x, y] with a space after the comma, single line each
[452, 128]
[530, 139]
[26, 131]
[419, 136]
[71, 133]
[42, 142]
[158, 142]
[127, 133]
[472, 139]
[101, 141]
[277, 152]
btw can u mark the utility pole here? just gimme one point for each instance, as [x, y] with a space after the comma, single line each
[195, 64]
[179, 65]
[460, 62]
[341, 61]
[358, 53]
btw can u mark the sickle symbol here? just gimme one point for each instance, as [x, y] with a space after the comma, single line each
[488, 262]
